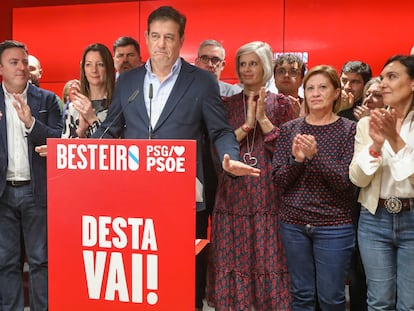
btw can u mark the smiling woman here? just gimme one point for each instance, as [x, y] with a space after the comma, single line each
[383, 167]
[246, 248]
[92, 97]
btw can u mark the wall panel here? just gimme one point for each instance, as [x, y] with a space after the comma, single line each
[321, 31]
[57, 35]
[337, 31]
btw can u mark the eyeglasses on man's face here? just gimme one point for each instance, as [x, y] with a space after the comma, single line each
[206, 59]
[376, 95]
[292, 72]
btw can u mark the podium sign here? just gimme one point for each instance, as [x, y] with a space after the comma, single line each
[121, 224]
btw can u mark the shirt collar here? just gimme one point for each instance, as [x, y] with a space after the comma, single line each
[23, 94]
[175, 67]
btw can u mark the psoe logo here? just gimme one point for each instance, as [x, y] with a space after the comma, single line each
[101, 157]
[163, 158]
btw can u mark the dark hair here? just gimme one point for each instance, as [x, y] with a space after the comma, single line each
[165, 13]
[406, 60]
[8, 44]
[125, 41]
[109, 66]
[358, 67]
[332, 75]
[290, 59]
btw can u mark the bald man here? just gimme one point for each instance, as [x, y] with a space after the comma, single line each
[35, 70]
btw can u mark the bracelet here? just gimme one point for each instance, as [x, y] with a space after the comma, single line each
[245, 128]
[374, 153]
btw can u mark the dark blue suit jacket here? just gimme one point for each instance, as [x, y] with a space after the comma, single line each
[45, 109]
[193, 110]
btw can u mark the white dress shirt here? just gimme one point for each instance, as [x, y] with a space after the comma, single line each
[18, 168]
[160, 91]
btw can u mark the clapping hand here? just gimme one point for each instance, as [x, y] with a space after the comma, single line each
[304, 146]
[23, 111]
[361, 111]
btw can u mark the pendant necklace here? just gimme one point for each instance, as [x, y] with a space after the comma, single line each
[247, 157]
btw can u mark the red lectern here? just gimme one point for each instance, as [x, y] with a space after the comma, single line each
[121, 224]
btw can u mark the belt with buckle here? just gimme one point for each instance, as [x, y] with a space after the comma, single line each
[18, 183]
[395, 205]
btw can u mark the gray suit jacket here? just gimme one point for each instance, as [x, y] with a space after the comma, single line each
[45, 109]
[193, 111]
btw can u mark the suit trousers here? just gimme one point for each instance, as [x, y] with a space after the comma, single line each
[20, 215]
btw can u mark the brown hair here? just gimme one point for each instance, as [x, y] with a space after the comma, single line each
[109, 66]
[332, 75]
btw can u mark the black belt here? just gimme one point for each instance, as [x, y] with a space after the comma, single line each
[18, 183]
[395, 205]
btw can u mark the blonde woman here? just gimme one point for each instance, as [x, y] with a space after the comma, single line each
[248, 267]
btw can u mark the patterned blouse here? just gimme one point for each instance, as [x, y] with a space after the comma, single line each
[235, 195]
[71, 119]
[318, 191]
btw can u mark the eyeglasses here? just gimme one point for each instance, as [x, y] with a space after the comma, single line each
[214, 60]
[292, 72]
[376, 95]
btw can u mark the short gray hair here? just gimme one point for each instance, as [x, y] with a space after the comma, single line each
[265, 54]
[375, 80]
[211, 42]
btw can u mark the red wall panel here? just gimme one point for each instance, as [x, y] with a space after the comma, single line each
[231, 22]
[57, 35]
[338, 31]
[321, 30]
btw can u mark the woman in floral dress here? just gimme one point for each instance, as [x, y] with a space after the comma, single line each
[248, 267]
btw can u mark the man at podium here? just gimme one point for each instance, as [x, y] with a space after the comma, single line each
[168, 98]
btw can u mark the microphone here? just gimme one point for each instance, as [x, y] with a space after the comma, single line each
[133, 96]
[130, 100]
[150, 96]
[151, 92]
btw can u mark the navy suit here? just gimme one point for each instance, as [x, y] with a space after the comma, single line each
[45, 109]
[194, 110]
[23, 207]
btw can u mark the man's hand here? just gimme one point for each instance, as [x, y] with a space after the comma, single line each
[347, 100]
[23, 111]
[296, 105]
[41, 150]
[238, 168]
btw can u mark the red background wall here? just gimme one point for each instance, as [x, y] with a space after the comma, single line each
[57, 31]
